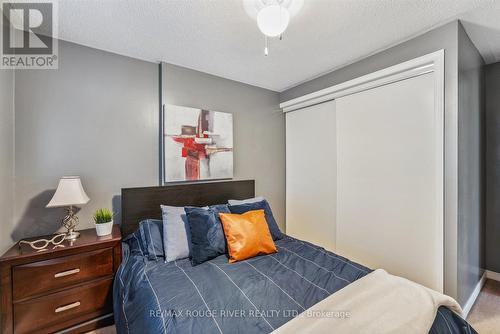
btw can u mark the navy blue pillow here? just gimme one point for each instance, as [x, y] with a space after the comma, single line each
[135, 243]
[151, 231]
[262, 205]
[207, 236]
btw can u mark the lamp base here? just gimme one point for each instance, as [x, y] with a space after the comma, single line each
[70, 222]
[72, 235]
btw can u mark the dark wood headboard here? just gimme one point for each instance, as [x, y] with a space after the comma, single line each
[143, 203]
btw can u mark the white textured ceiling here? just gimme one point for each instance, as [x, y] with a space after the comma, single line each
[217, 36]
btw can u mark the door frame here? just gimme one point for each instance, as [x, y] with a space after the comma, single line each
[430, 63]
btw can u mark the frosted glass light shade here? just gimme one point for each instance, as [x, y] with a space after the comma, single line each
[252, 7]
[69, 192]
[273, 20]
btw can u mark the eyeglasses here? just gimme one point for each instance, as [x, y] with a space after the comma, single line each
[41, 244]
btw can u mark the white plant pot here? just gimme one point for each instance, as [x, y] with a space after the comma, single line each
[104, 229]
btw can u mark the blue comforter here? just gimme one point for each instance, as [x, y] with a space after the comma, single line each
[253, 296]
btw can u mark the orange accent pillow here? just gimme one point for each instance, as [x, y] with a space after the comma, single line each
[247, 235]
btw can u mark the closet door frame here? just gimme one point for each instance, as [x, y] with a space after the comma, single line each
[430, 63]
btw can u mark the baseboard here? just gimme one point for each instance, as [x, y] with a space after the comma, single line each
[492, 275]
[472, 299]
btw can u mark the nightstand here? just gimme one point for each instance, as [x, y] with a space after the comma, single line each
[67, 288]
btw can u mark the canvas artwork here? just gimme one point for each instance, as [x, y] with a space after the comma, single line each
[198, 144]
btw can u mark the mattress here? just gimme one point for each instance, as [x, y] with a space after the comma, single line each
[253, 296]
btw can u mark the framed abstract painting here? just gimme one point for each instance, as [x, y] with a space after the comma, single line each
[197, 144]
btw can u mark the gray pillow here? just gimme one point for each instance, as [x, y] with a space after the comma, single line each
[176, 233]
[245, 201]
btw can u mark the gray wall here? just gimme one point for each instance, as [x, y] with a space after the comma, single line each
[492, 234]
[6, 153]
[259, 127]
[470, 167]
[445, 37]
[6, 156]
[97, 116]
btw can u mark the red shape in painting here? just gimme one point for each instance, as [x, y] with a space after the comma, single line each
[197, 146]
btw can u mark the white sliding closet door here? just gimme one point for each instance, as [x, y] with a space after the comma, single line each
[310, 174]
[390, 180]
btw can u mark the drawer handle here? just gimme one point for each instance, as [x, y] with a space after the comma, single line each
[67, 273]
[67, 307]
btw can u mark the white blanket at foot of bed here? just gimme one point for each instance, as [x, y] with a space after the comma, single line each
[377, 303]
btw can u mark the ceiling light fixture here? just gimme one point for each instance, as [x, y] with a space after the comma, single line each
[272, 16]
[273, 20]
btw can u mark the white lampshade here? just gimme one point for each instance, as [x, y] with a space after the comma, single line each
[69, 192]
[273, 20]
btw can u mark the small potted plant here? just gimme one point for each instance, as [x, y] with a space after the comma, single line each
[103, 220]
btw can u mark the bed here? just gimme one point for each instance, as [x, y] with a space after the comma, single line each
[257, 295]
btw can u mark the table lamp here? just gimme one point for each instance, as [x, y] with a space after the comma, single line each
[69, 193]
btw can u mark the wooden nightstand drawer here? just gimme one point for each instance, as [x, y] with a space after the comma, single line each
[43, 276]
[76, 280]
[39, 313]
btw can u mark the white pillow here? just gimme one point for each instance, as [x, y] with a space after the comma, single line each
[245, 201]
